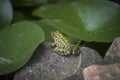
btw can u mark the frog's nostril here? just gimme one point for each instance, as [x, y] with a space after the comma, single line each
[52, 34]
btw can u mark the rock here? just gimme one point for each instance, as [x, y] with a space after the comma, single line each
[110, 71]
[88, 57]
[47, 65]
[113, 53]
[102, 72]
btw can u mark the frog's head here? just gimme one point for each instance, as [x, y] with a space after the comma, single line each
[55, 34]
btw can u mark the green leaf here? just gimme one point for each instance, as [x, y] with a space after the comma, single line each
[47, 30]
[17, 44]
[88, 20]
[6, 13]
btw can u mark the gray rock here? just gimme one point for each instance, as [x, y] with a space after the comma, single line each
[88, 57]
[113, 53]
[47, 65]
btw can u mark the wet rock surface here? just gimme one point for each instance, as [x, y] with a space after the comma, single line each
[48, 65]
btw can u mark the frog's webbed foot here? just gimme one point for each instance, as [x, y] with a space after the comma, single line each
[75, 51]
[75, 48]
[53, 44]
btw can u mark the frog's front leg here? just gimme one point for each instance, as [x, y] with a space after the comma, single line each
[53, 44]
[56, 49]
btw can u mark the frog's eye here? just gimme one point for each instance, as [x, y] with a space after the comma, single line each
[53, 34]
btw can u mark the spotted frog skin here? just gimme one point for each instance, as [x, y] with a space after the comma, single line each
[62, 45]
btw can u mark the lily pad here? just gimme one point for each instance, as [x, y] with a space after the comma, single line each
[47, 30]
[88, 20]
[17, 44]
[6, 13]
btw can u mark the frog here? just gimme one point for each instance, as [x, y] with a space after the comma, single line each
[62, 45]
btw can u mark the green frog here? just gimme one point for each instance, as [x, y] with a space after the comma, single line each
[62, 46]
